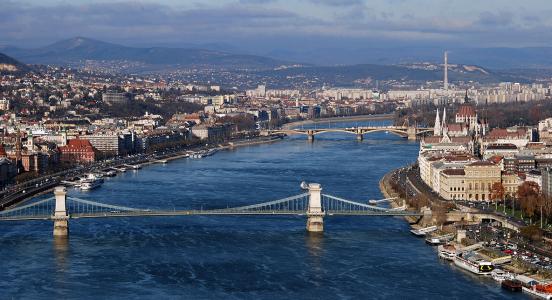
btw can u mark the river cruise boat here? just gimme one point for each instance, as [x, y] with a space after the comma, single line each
[423, 231]
[90, 184]
[472, 262]
[512, 285]
[446, 252]
[92, 177]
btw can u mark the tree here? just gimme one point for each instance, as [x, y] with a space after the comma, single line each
[528, 195]
[531, 232]
[497, 192]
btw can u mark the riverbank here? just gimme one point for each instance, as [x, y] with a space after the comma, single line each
[48, 188]
[359, 118]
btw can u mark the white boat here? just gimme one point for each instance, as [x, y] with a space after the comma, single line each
[423, 231]
[500, 275]
[92, 177]
[110, 173]
[447, 252]
[472, 262]
[439, 240]
[535, 293]
[90, 184]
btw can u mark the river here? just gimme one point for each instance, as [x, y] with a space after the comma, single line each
[212, 257]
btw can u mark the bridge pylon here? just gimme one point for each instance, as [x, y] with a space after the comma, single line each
[359, 134]
[412, 132]
[60, 217]
[310, 135]
[315, 215]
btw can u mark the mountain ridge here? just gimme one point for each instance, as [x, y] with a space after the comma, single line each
[75, 51]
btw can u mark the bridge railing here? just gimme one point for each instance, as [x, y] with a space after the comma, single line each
[40, 209]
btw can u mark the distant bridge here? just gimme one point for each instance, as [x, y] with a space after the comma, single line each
[410, 132]
[312, 204]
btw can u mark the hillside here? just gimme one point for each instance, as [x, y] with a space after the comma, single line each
[80, 51]
[9, 65]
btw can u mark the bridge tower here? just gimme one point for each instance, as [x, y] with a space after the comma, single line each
[315, 215]
[60, 217]
[310, 135]
[411, 132]
[359, 134]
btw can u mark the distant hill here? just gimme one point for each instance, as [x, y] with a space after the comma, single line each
[10, 65]
[492, 58]
[369, 73]
[80, 51]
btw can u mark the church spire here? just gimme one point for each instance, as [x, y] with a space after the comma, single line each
[437, 127]
[466, 98]
[444, 122]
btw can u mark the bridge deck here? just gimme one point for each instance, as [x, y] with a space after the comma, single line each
[169, 213]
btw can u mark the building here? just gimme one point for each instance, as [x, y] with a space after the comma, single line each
[112, 144]
[117, 98]
[504, 150]
[525, 163]
[510, 182]
[219, 132]
[160, 139]
[77, 151]
[452, 185]
[547, 182]
[480, 176]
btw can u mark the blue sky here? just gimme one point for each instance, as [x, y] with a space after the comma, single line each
[262, 25]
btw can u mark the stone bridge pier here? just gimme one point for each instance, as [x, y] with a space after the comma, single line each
[310, 135]
[359, 134]
[315, 215]
[412, 133]
[60, 217]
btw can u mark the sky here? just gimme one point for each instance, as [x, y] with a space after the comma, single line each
[264, 25]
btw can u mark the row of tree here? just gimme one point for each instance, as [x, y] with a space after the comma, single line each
[529, 200]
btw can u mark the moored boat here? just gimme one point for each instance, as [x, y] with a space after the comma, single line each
[500, 275]
[511, 285]
[446, 252]
[90, 184]
[538, 291]
[472, 262]
[423, 231]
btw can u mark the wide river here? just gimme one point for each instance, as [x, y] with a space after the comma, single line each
[213, 257]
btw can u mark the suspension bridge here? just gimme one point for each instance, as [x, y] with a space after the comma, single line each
[312, 204]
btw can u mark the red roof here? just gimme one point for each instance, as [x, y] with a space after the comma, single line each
[496, 158]
[77, 144]
[466, 110]
[3, 151]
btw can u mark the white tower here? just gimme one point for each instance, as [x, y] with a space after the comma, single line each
[444, 128]
[446, 72]
[437, 126]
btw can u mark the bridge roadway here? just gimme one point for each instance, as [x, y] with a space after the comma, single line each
[174, 213]
[314, 205]
[410, 132]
